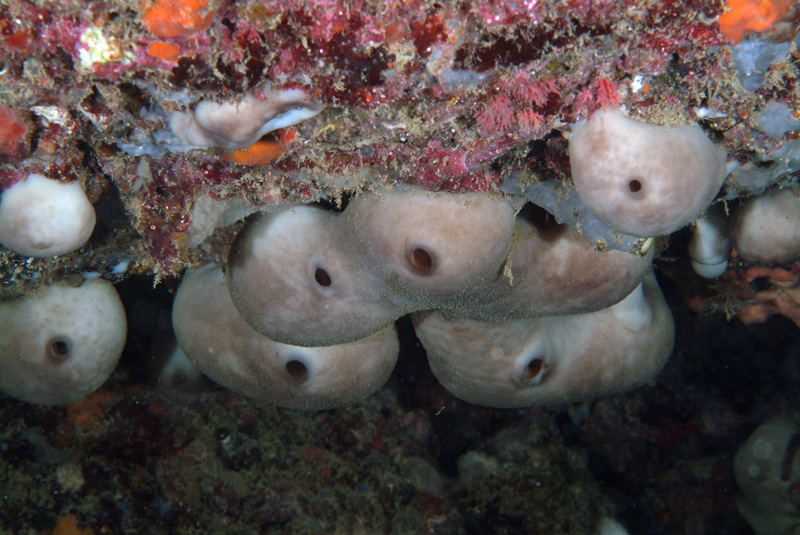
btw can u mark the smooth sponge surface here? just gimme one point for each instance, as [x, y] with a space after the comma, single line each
[551, 360]
[61, 346]
[41, 217]
[766, 229]
[292, 283]
[239, 124]
[430, 247]
[214, 336]
[643, 179]
[767, 468]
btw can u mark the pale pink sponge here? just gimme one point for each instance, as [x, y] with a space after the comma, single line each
[430, 248]
[766, 229]
[214, 336]
[291, 280]
[41, 217]
[239, 124]
[710, 246]
[643, 179]
[767, 469]
[461, 263]
[62, 345]
[551, 360]
[553, 270]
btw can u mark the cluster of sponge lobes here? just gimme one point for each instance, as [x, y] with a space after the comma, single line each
[61, 343]
[513, 309]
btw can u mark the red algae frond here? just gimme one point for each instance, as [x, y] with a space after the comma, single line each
[176, 18]
[12, 134]
[743, 17]
[606, 93]
[497, 116]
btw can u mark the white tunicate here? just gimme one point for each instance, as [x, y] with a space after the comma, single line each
[710, 246]
[566, 207]
[62, 345]
[757, 175]
[41, 217]
[776, 118]
[753, 58]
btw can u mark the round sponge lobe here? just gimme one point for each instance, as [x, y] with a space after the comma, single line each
[239, 124]
[766, 229]
[710, 246]
[767, 468]
[291, 282]
[61, 346]
[551, 360]
[644, 179]
[431, 248]
[555, 271]
[41, 217]
[214, 336]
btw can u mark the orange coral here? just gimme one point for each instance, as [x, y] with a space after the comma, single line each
[165, 51]
[176, 18]
[745, 16]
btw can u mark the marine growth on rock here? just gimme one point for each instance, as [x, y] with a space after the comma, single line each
[313, 191]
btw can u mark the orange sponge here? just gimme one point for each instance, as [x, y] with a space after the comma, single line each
[260, 152]
[742, 17]
[165, 51]
[176, 18]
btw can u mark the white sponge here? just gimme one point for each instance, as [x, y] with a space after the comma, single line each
[42, 217]
[61, 346]
[766, 229]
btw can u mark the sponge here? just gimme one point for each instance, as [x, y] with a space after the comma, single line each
[60, 346]
[41, 217]
[766, 229]
[291, 281]
[218, 340]
[746, 16]
[643, 179]
[236, 125]
[544, 361]
[430, 247]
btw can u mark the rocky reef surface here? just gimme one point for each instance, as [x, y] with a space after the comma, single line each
[172, 121]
